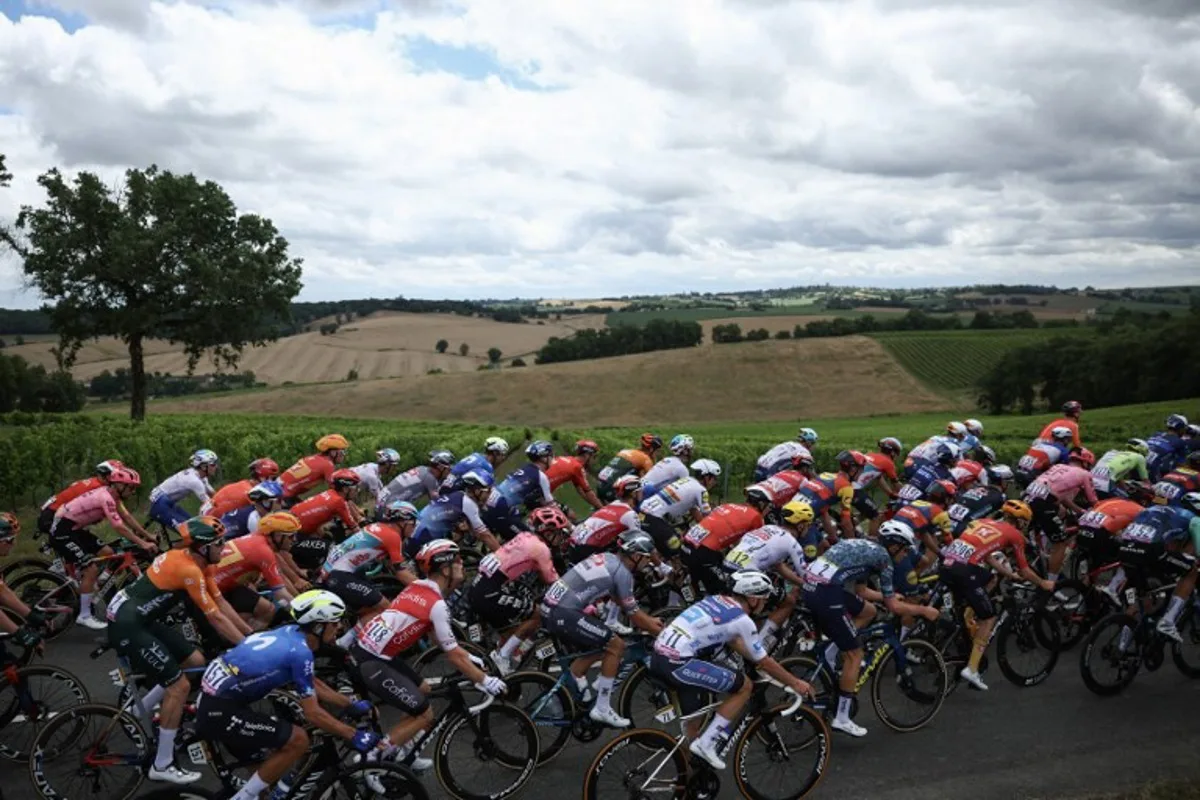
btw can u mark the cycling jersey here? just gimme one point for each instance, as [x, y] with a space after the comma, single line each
[305, 474]
[1153, 525]
[1042, 455]
[982, 539]
[706, 627]
[76, 489]
[765, 547]
[369, 480]
[664, 472]
[567, 468]
[439, 519]
[924, 475]
[975, 503]
[228, 498]
[321, 509]
[411, 485]
[475, 462]
[1062, 482]
[378, 541]
[779, 458]
[851, 561]
[243, 560]
[604, 525]
[180, 485]
[1174, 485]
[91, 507]
[1166, 450]
[925, 518]
[1110, 516]
[878, 466]
[722, 528]
[416, 610]
[781, 487]
[237, 522]
[526, 486]
[966, 471]
[826, 490]
[261, 663]
[1116, 466]
[502, 517]
[593, 579]
[928, 449]
[1046, 435]
[969, 443]
[623, 463]
[524, 553]
[676, 500]
[171, 577]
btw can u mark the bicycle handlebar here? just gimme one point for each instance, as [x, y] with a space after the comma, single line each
[487, 701]
[795, 706]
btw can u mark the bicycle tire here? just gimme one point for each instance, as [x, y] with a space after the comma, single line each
[181, 793]
[66, 595]
[764, 729]
[639, 711]
[519, 755]
[1130, 662]
[1028, 631]
[46, 749]
[401, 783]
[553, 722]
[645, 741]
[926, 656]
[824, 686]
[1189, 629]
[27, 564]
[1073, 619]
[9, 715]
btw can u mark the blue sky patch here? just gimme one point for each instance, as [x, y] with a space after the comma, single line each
[471, 63]
[15, 9]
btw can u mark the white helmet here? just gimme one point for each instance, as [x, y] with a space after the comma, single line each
[705, 467]
[317, 605]
[202, 458]
[956, 429]
[682, 444]
[1062, 433]
[896, 532]
[494, 444]
[974, 427]
[751, 583]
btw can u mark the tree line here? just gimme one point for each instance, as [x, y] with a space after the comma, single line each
[110, 386]
[29, 387]
[658, 334]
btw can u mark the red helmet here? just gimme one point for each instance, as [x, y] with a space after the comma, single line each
[942, 490]
[967, 471]
[436, 554]
[651, 441]
[586, 447]
[802, 460]
[1084, 456]
[1072, 408]
[344, 479]
[125, 475]
[548, 520]
[263, 468]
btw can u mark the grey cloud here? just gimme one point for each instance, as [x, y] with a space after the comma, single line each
[627, 231]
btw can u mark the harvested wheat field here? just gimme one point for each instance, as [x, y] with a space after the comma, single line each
[778, 380]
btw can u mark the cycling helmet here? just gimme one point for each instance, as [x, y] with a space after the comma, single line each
[10, 526]
[539, 450]
[947, 455]
[682, 444]
[202, 531]
[263, 469]
[334, 441]
[751, 583]
[956, 429]
[548, 520]
[204, 458]
[279, 522]
[941, 491]
[999, 473]
[627, 485]
[974, 427]
[635, 543]
[1017, 509]
[890, 446]
[105, 468]
[808, 436]
[1176, 422]
[803, 461]
[317, 606]
[1072, 408]
[1193, 430]
[437, 554]
[125, 476]
[494, 444]
[895, 532]
[1083, 456]
[476, 479]
[1193, 459]
[397, 511]
[968, 471]
[441, 458]
[1062, 433]
[344, 479]
[706, 467]
[651, 441]
[267, 490]
[985, 454]
[757, 496]
[848, 459]
[1191, 501]
[798, 513]
[387, 457]
[585, 447]
[1138, 446]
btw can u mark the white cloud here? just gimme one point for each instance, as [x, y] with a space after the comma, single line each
[630, 146]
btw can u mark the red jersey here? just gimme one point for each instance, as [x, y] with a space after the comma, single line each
[306, 473]
[322, 508]
[567, 468]
[983, 538]
[781, 487]
[1110, 516]
[605, 525]
[1045, 435]
[411, 615]
[243, 559]
[230, 498]
[71, 492]
[722, 529]
[882, 464]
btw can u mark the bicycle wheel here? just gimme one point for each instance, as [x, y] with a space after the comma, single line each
[1110, 657]
[94, 751]
[822, 681]
[782, 758]
[549, 706]
[433, 666]
[1027, 647]
[648, 705]
[907, 698]
[638, 765]
[54, 595]
[1072, 618]
[180, 793]
[1187, 655]
[501, 740]
[12, 569]
[364, 781]
[40, 694]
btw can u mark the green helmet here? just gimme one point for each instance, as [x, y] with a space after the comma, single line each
[202, 531]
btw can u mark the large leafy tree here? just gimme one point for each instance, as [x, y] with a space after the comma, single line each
[161, 256]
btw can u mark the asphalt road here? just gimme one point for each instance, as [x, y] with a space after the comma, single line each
[1053, 740]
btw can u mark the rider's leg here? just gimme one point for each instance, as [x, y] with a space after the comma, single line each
[276, 766]
[614, 651]
[523, 633]
[728, 711]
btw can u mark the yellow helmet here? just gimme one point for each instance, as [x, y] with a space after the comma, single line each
[279, 522]
[797, 512]
[332, 441]
[1017, 509]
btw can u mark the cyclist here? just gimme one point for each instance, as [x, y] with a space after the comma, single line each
[528, 485]
[159, 652]
[1116, 467]
[233, 682]
[927, 450]
[1043, 454]
[423, 480]
[331, 505]
[75, 544]
[965, 572]
[442, 518]
[598, 532]
[673, 467]
[782, 456]
[1167, 447]
[967, 473]
[233, 496]
[686, 650]
[1162, 543]
[495, 450]
[1072, 410]
[375, 655]
[1096, 537]
[98, 481]
[980, 501]
[840, 612]
[311, 471]
[380, 543]
[974, 438]
[565, 614]
[924, 473]
[929, 520]
[26, 635]
[574, 468]
[500, 593]
[686, 498]
[164, 498]
[628, 462]
[1185, 478]
[263, 499]
[374, 474]
[245, 560]
[780, 488]
[879, 467]
[1054, 492]
[834, 488]
[705, 543]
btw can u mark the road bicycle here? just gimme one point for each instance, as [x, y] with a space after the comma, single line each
[30, 697]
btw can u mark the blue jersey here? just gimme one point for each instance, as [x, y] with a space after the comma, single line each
[501, 516]
[236, 522]
[921, 477]
[1166, 450]
[439, 519]
[852, 561]
[1157, 524]
[476, 462]
[524, 485]
[968, 443]
[262, 662]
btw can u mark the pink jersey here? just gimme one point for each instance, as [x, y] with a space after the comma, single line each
[524, 552]
[1063, 481]
[90, 508]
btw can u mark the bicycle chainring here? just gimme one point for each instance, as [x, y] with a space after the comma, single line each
[585, 729]
[704, 785]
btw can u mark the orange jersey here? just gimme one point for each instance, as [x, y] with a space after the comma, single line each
[322, 508]
[641, 460]
[176, 570]
[243, 559]
[1110, 516]
[983, 538]
[230, 498]
[1062, 423]
[71, 492]
[567, 468]
[306, 473]
[723, 528]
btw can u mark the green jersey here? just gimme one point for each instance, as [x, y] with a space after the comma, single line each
[1116, 466]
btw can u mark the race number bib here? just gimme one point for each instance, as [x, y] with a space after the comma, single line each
[909, 492]
[1027, 463]
[959, 512]
[821, 571]
[217, 674]
[1140, 532]
[959, 550]
[1093, 519]
[739, 558]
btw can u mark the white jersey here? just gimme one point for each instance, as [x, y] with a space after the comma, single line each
[762, 549]
[675, 500]
[782, 453]
[704, 628]
[368, 479]
[606, 524]
[669, 469]
[180, 485]
[928, 449]
[252, 522]
[411, 485]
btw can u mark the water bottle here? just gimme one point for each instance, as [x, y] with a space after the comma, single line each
[282, 787]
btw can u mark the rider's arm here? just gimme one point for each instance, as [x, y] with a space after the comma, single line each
[589, 496]
[482, 532]
[644, 622]
[771, 666]
[318, 716]
[827, 524]
[789, 574]
[112, 511]
[208, 600]
[131, 523]
[6, 623]
[9, 599]
[900, 607]
[232, 616]
[287, 566]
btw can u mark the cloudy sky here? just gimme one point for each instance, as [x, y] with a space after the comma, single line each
[478, 148]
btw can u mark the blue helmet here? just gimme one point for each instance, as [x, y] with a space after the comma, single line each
[682, 443]
[387, 457]
[808, 436]
[539, 450]
[947, 456]
[475, 479]
[267, 490]
[1176, 422]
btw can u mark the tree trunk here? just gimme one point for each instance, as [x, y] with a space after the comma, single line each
[137, 374]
